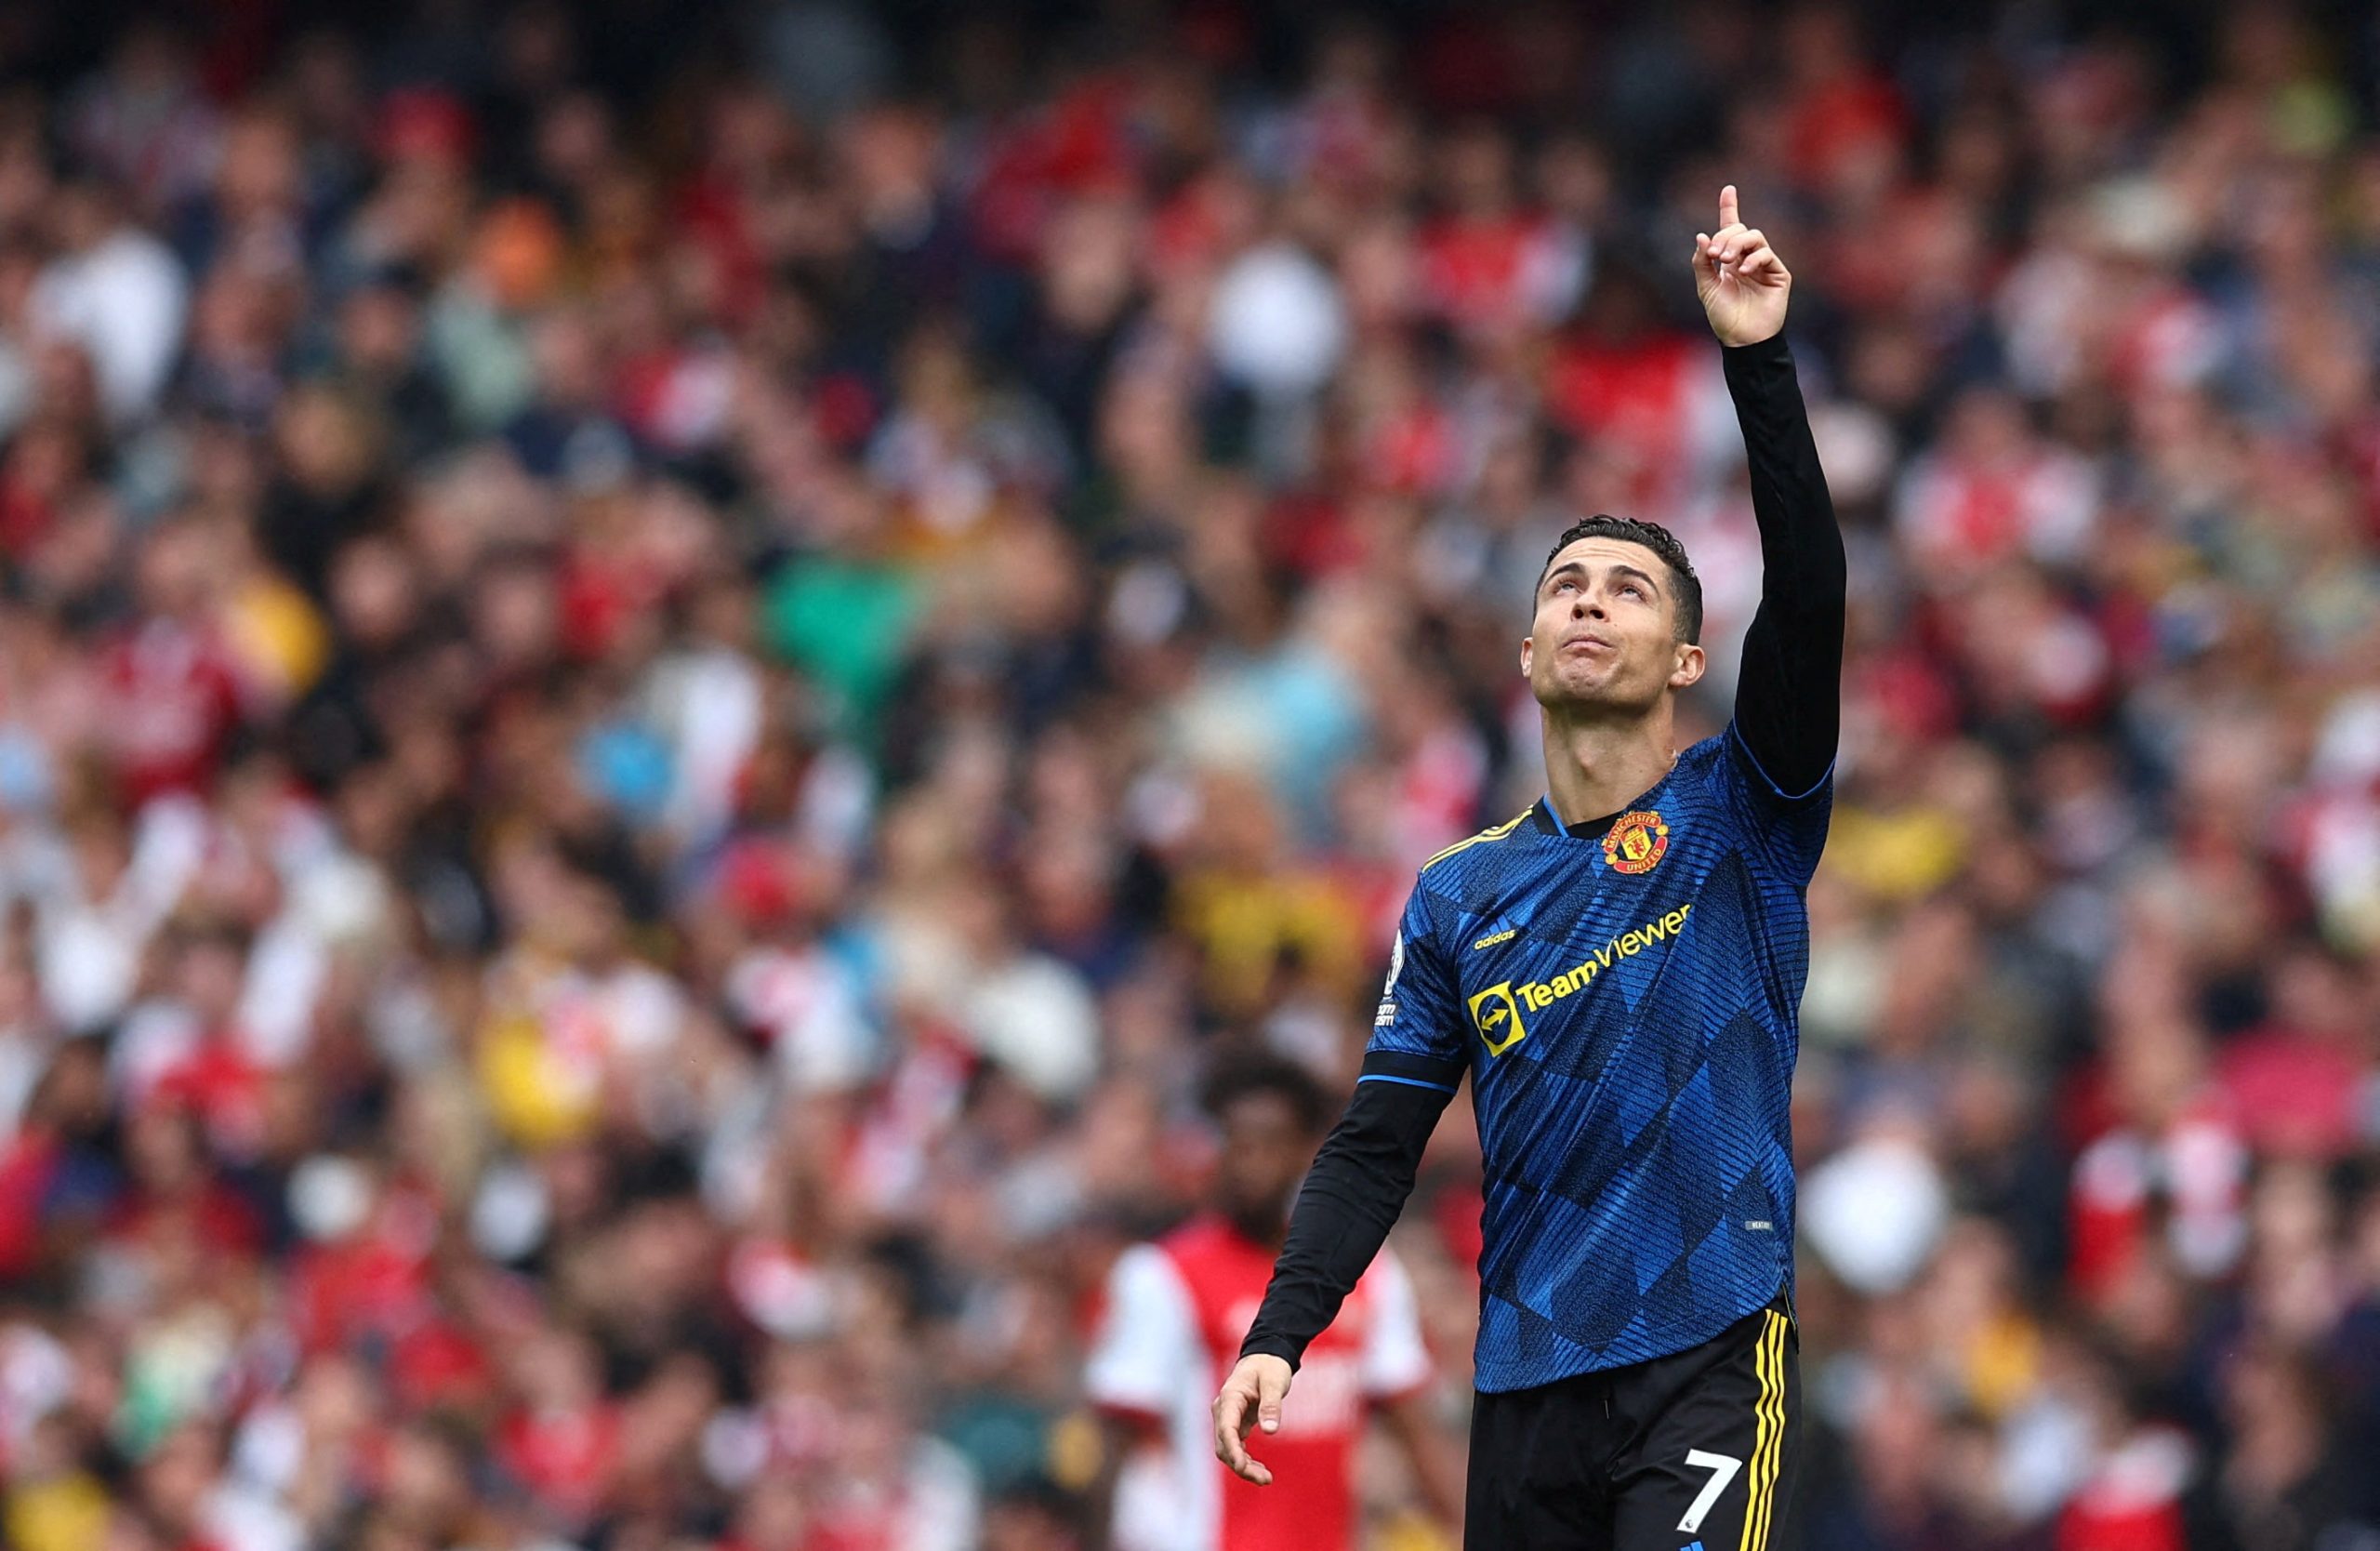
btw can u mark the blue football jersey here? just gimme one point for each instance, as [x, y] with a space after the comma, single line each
[1626, 1004]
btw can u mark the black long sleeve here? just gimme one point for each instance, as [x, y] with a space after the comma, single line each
[1789, 695]
[1351, 1199]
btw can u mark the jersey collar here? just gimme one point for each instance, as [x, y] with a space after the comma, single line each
[1541, 814]
[1542, 817]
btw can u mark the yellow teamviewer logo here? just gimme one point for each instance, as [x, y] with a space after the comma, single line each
[1497, 1010]
[1498, 1017]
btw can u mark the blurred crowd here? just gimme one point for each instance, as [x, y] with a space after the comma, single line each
[668, 674]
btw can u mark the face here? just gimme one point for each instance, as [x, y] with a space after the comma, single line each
[1605, 631]
[1264, 1152]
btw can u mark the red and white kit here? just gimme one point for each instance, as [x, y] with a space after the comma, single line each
[1176, 1312]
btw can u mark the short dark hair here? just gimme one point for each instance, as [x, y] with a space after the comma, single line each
[1655, 538]
[1246, 1073]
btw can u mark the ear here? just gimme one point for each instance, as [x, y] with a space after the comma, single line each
[1528, 646]
[1688, 670]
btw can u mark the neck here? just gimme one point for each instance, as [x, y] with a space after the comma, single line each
[1597, 765]
[1268, 1227]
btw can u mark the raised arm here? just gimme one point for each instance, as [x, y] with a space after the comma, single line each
[1789, 693]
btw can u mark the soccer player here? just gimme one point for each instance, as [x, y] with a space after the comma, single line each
[1175, 1313]
[1619, 969]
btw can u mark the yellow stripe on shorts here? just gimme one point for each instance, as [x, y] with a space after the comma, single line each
[1769, 1439]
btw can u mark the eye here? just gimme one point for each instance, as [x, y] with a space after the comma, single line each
[1630, 590]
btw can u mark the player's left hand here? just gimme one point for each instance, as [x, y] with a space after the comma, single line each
[1742, 283]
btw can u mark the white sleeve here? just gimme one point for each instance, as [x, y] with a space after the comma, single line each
[1395, 1359]
[1145, 1353]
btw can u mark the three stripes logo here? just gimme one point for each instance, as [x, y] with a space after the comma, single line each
[1768, 1442]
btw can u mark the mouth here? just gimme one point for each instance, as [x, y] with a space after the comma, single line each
[1586, 645]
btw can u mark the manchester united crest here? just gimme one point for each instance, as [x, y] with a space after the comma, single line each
[1637, 841]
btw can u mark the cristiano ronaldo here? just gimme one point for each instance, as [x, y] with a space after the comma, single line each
[1618, 970]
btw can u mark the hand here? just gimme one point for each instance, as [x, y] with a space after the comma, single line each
[1742, 283]
[1251, 1398]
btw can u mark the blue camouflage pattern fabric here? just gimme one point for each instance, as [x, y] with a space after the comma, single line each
[1626, 1004]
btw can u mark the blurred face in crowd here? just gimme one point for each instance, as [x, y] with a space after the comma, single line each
[176, 569]
[771, 1518]
[81, 216]
[1265, 1151]
[373, 591]
[1606, 635]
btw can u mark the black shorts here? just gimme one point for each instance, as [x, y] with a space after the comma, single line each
[1699, 1448]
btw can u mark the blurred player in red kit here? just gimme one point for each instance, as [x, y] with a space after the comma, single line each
[1176, 1310]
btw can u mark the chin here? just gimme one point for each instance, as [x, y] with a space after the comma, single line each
[1604, 697]
[1599, 690]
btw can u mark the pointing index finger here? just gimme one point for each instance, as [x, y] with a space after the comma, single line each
[1728, 205]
